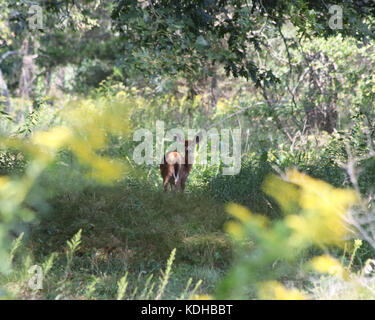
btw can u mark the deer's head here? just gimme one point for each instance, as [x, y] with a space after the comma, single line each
[189, 146]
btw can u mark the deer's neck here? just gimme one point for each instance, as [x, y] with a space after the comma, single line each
[187, 163]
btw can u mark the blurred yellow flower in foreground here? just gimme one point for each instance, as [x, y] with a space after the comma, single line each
[235, 229]
[201, 297]
[245, 217]
[4, 181]
[327, 264]
[322, 208]
[274, 290]
[88, 126]
[319, 195]
[238, 211]
[314, 214]
[54, 139]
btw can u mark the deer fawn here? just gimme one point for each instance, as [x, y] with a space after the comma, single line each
[176, 167]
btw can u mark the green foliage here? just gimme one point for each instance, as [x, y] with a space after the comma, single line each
[192, 36]
[122, 284]
[73, 246]
[65, 161]
[192, 223]
[15, 245]
[165, 275]
[314, 214]
[62, 283]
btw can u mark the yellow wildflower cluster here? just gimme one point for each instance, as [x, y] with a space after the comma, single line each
[327, 264]
[201, 297]
[235, 228]
[321, 207]
[315, 214]
[274, 290]
[323, 210]
[87, 124]
[85, 128]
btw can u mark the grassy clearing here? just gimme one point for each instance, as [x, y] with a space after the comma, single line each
[131, 227]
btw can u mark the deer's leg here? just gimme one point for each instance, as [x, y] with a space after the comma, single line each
[165, 183]
[173, 187]
[182, 185]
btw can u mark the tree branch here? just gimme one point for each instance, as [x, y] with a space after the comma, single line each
[5, 55]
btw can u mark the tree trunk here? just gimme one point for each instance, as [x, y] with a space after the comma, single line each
[28, 71]
[320, 108]
[214, 90]
[4, 93]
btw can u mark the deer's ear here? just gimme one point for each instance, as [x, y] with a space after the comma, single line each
[178, 138]
[198, 137]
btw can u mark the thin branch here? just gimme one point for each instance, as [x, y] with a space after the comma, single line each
[5, 55]
[288, 76]
[234, 114]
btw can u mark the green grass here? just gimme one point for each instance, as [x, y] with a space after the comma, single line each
[133, 226]
[137, 224]
[129, 227]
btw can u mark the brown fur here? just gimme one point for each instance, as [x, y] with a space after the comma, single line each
[174, 170]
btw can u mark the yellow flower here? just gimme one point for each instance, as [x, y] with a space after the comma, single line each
[274, 290]
[239, 212]
[121, 94]
[327, 264]
[245, 216]
[319, 194]
[235, 229]
[4, 181]
[54, 139]
[323, 207]
[107, 170]
[201, 297]
[357, 243]
[286, 194]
